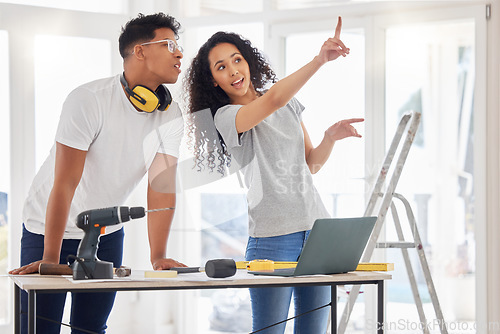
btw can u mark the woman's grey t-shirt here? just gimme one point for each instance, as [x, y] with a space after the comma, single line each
[281, 196]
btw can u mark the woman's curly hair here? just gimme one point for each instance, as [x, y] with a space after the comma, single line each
[203, 95]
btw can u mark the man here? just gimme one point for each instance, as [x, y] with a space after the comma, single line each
[111, 132]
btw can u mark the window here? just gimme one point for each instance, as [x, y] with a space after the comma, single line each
[57, 73]
[334, 93]
[430, 68]
[4, 177]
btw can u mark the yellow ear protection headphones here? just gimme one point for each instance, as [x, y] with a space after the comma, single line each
[145, 99]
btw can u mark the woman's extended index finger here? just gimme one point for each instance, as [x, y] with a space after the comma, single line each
[354, 120]
[338, 28]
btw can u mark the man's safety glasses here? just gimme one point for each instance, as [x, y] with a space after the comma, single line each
[172, 46]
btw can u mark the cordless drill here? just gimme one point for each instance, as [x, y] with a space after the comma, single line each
[93, 223]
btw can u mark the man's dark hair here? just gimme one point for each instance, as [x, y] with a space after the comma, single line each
[142, 29]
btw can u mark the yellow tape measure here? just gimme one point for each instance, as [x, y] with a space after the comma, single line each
[263, 265]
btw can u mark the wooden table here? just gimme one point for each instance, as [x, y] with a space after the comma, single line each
[35, 284]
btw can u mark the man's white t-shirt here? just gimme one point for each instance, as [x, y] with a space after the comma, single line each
[121, 144]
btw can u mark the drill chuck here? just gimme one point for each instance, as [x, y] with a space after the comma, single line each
[134, 212]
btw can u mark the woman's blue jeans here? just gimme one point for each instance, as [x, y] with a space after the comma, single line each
[89, 311]
[271, 305]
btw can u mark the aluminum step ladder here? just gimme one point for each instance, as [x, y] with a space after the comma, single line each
[408, 124]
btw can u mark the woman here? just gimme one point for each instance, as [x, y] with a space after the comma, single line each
[262, 130]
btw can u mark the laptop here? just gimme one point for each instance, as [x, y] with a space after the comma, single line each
[334, 246]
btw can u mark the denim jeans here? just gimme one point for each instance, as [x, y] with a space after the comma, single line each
[89, 311]
[271, 305]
